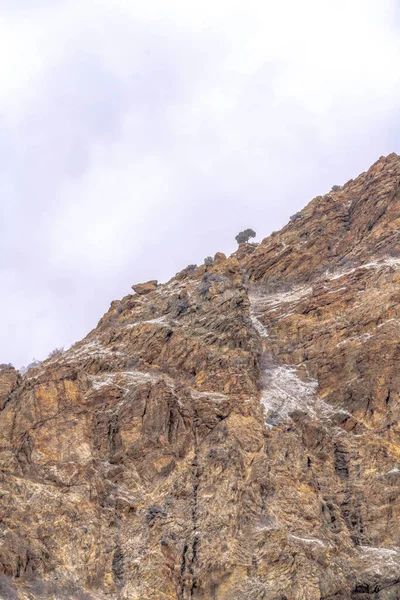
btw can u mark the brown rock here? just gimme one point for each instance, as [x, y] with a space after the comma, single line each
[219, 258]
[9, 380]
[145, 288]
[224, 439]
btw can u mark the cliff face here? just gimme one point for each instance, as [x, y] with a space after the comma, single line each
[231, 434]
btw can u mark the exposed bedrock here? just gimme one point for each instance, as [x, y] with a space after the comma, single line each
[231, 434]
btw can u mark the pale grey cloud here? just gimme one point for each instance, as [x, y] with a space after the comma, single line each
[138, 138]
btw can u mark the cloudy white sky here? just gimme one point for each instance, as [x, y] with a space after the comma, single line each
[138, 137]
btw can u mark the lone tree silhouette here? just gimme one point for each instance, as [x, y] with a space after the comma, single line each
[244, 236]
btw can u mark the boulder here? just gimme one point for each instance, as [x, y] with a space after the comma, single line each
[145, 288]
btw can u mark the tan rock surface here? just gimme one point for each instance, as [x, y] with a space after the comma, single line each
[9, 381]
[145, 288]
[231, 434]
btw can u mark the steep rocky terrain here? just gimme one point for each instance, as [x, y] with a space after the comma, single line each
[231, 434]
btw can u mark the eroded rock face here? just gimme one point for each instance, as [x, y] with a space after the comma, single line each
[230, 434]
[145, 288]
[9, 380]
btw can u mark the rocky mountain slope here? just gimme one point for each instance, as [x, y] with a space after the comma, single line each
[231, 434]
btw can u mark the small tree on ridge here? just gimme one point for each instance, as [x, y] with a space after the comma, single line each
[244, 236]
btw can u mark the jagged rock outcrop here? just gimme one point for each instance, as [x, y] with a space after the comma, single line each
[145, 288]
[9, 381]
[230, 434]
[34, 363]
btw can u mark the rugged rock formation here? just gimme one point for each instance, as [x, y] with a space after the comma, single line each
[145, 288]
[31, 365]
[231, 434]
[9, 381]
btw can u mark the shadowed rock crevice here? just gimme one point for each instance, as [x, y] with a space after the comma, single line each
[118, 566]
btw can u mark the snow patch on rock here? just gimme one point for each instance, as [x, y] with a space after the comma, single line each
[380, 561]
[387, 262]
[121, 377]
[393, 321]
[258, 326]
[307, 540]
[89, 349]
[355, 338]
[158, 321]
[284, 392]
[289, 297]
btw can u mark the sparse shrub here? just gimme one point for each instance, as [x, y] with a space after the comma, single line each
[205, 289]
[188, 271]
[132, 362]
[244, 236]
[336, 188]
[323, 268]
[246, 321]
[118, 566]
[34, 363]
[296, 216]
[237, 362]
[56, 352]
[212, 277]
[120, 308]
[394, 252]
[266, 361]
[273, 418]
[272, 286]
[153, 512]
[6, 591]
[181, 306]
[208, 261]
[347, 262]
[164, 366]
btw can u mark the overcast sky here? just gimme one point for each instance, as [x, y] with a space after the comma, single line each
[139, 137]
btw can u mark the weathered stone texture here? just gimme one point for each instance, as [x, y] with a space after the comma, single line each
[231, 434]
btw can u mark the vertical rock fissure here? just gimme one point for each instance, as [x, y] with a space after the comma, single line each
[113, 430]
[189, 559]
[350, 507]
[196, 471]
[183, 569]
[118, 566]
[170, 426]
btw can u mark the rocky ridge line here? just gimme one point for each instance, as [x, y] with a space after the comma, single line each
[230, 434]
